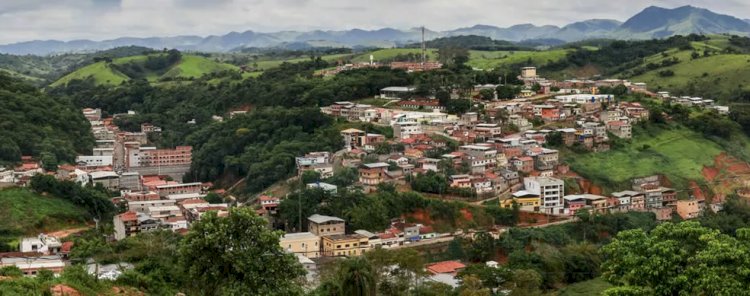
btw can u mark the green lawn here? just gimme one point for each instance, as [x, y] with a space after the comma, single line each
[23, 212]
[676, 152]
[587, 288]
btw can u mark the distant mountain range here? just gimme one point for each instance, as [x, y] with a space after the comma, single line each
[652, 22]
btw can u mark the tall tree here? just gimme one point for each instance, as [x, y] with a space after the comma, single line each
[238, 255]
[356, 278]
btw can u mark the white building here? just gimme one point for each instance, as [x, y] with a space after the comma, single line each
[44, 244]
[551, 192]
[94, 161]
[405, 130]
[585, 98]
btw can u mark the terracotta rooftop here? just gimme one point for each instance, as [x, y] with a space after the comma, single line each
[445, 267]
[128, 216]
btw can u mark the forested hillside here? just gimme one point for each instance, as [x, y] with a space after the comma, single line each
[34, 123]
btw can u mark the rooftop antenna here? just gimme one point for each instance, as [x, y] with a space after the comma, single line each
[424, 50]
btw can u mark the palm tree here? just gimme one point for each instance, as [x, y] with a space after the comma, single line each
[356, 278]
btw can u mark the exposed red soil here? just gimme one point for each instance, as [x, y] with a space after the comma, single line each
[421, 216]
[697, 191]
[468, 216]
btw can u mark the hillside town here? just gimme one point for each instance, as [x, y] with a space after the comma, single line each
[509, 155]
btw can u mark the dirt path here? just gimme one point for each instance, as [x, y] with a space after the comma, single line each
[67, 232]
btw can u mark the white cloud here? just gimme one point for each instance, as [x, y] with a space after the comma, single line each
[25, 20]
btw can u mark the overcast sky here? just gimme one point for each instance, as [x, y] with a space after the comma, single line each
[24, 20]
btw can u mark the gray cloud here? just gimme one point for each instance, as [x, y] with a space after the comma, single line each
[24, 20]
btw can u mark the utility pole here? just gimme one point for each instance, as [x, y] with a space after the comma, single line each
[424, 51]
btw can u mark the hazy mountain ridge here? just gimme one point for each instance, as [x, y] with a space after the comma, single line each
[652, 22]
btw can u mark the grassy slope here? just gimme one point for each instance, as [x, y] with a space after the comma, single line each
[196, 66]
[677, 152]
[26, 213]
[189, 66]
[723, 73]
[494, 59]
[101, 72]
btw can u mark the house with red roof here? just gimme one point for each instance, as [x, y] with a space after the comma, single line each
[446, 267]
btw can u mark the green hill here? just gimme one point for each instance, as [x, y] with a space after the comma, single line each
[713, 76]
[26, 213]
[497, 59]
[134, 67]
[101, 72]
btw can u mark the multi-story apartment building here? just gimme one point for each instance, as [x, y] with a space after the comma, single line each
[406, 129]
[372, 174]
[488, 130]
[321, 225]
[137, 156]
[480, 157]
[180, 188]
[550, 191]
[350, 245]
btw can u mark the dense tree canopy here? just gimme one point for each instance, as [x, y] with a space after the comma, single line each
[680, 259]
[238, 255]
[32, 123]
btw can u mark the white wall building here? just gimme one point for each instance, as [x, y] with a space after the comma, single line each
[550, 191]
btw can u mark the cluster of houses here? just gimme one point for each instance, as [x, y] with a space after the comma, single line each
[145, 176]
[493, 154]
[407, 66]
[689, 101]
[163, 205]
[327, 237]
[119, 161]
[38, 253]
[547, 195]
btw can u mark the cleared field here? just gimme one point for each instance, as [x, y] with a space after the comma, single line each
[676, 152]
[102, 74]
[196, 66]
[26, 213]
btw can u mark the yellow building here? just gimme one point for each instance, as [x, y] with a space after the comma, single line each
[350, 245]
[528, 202]
[303, 243]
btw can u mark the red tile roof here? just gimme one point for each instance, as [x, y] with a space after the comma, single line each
[386, 235]
[425, 229]
[193, 201]
[128, 216]
[445, 267]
